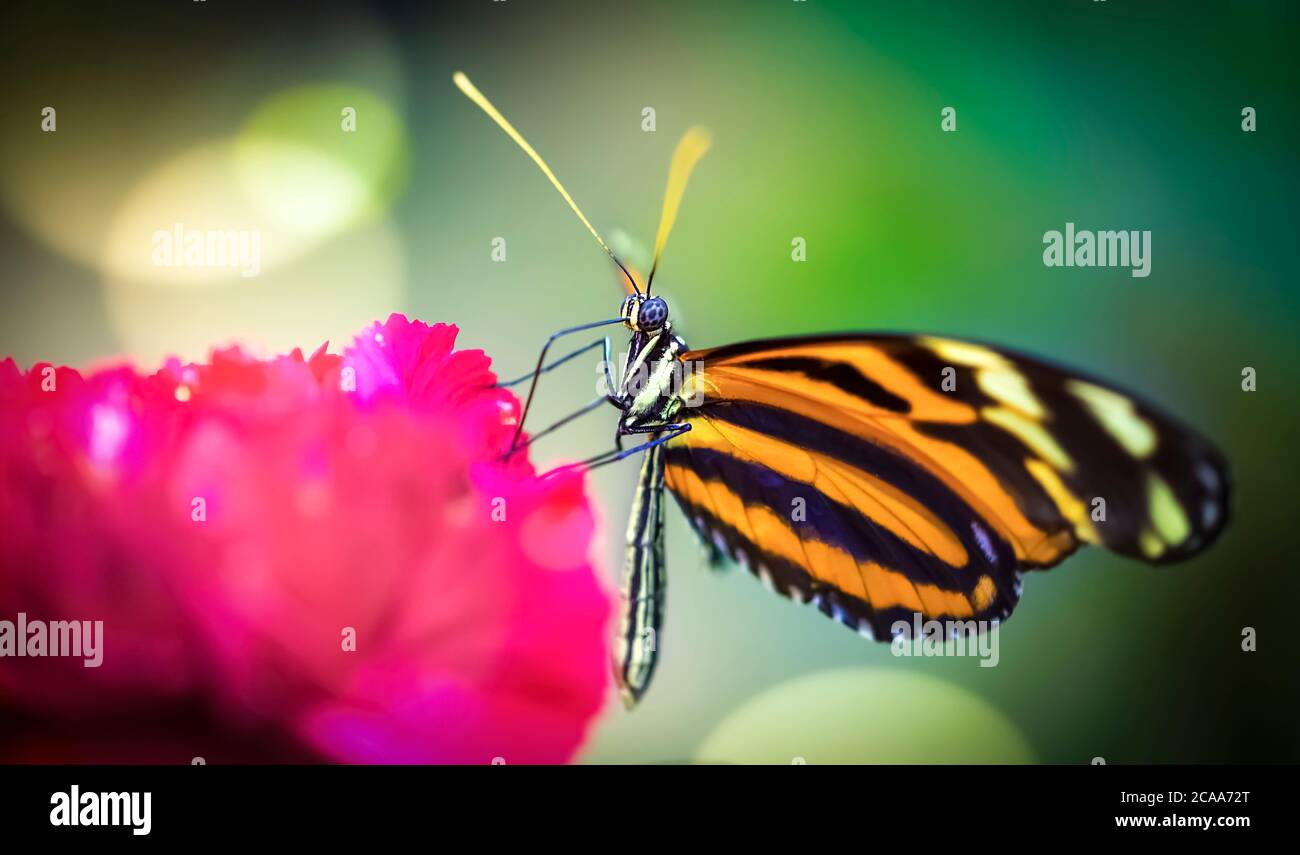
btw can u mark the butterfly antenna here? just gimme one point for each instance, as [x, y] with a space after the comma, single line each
[471, 91]
[693, 146]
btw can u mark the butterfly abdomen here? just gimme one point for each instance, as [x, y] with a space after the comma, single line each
[644, 583]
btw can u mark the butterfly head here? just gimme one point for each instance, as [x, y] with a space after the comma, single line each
[644, 314]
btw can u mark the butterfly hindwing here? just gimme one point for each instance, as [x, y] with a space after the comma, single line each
[812, 530]
[882, 476]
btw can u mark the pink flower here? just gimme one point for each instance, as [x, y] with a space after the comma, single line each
[320, 558]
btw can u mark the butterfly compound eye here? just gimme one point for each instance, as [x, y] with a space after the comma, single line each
[653, 314]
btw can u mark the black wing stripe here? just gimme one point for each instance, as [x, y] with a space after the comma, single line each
[844, 377]
[1183, 462]
[1107, 470]
[838, 525]
[793, 581]
[1188, 463]
[1005, 455]
[879, 462]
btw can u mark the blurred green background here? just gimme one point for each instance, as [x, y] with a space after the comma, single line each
[826, 118]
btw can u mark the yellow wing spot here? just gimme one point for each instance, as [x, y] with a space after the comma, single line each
[996, 376]
[983, 594]
[1167, 514]
[1008, 386]
[1152, 546]
[963, 353]
[1117, 415]
[1074, 510]
[1031, 433]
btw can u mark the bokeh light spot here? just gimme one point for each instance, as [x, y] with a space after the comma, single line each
[320, 158]
[865, 715]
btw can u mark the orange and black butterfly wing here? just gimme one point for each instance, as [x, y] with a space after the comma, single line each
[882, 477]
[835, 537]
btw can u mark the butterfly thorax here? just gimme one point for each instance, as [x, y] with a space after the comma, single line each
[652, 378]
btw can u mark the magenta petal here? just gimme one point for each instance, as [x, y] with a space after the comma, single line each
[237, 524]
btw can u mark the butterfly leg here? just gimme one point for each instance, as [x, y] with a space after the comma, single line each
[600, 342]
[541, 362]
[585, 408]
[670, 431]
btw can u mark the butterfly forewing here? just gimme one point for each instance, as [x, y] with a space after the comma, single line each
[882, 476]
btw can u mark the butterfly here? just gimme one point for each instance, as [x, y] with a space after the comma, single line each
[880, 477]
